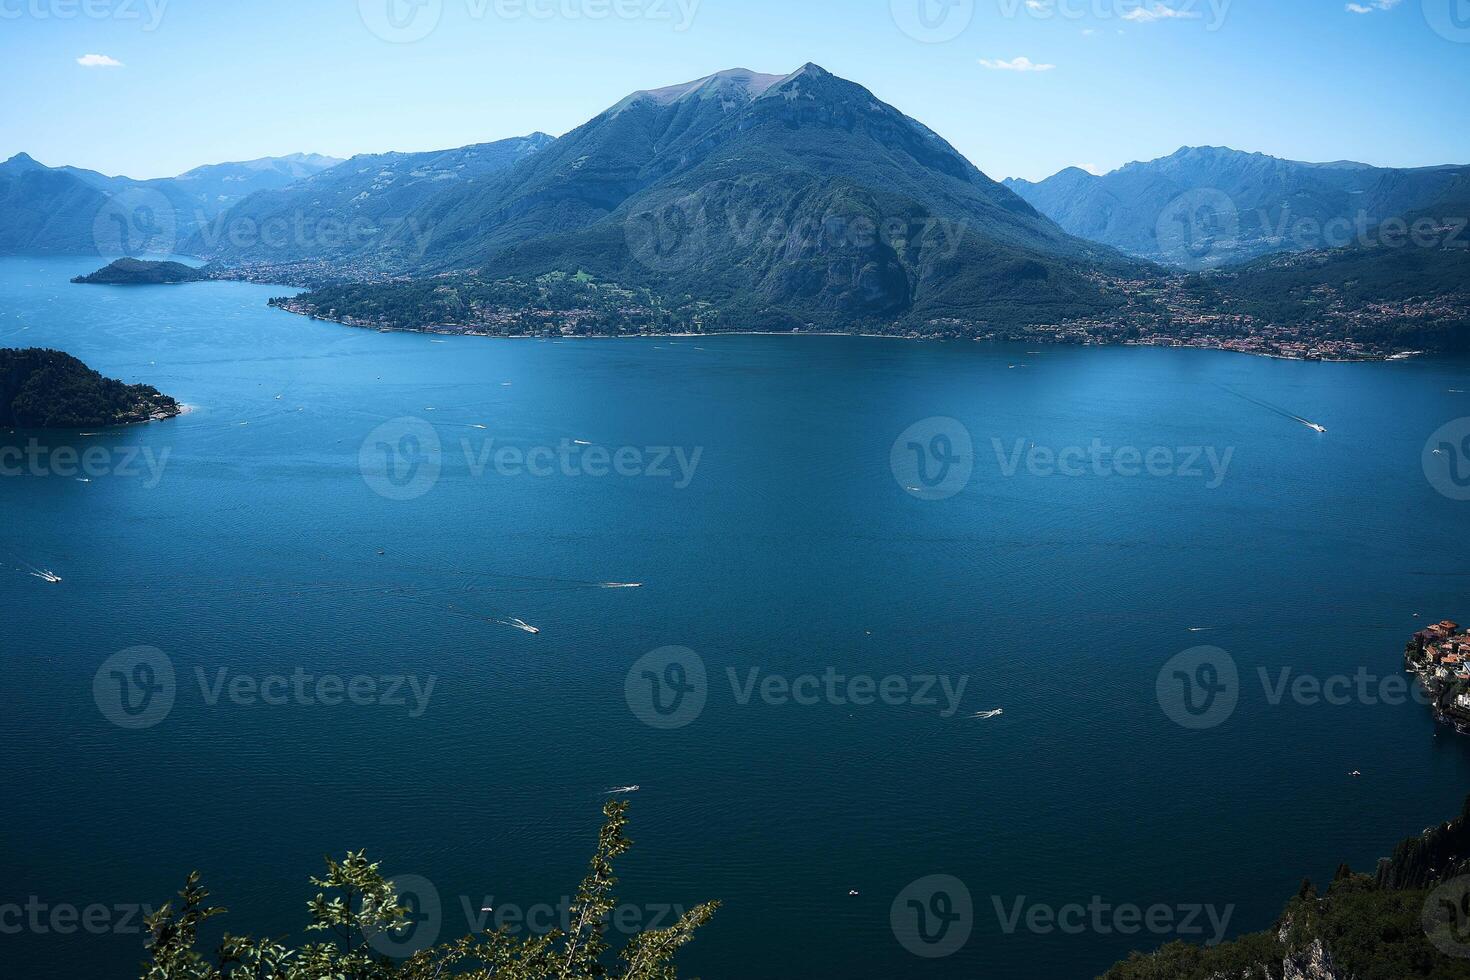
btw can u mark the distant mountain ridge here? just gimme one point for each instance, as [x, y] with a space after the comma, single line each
[69, 210]
[1205, 207]
[364, 207]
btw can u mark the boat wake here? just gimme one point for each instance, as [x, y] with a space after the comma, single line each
[519, 624]
[620, 790]
[987, 715]
[1314, 426]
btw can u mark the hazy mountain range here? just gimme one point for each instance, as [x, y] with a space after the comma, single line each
[366, 208]
[67, 210]
[1205, 207]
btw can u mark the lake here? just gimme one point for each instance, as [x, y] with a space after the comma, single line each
[335, 552]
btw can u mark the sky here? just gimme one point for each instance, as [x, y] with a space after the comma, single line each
[1024, 88]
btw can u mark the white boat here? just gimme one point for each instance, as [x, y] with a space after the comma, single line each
[521, 624]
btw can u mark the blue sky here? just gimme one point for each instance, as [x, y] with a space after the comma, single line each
[1107, 81]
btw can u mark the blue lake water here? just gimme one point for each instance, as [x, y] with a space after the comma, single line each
[257, 547]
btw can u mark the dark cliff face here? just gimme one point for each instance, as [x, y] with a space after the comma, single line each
[1406, 921]
[1439, 854]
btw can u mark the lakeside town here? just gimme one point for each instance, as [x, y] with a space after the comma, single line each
[1440, 656]
[1153, 313]
[1170, 312]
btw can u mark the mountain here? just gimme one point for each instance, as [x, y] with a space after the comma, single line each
[783, 201]
[1204, 207]
[216, 187]
[46, 211]
[68, 210]
[362, 209]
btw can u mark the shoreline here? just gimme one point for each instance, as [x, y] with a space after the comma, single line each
[1439, 655]
[446, 331]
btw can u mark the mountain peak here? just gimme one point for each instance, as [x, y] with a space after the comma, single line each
[733, 81]
[21, 161]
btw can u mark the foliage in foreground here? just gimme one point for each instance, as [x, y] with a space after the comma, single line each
[357, 903]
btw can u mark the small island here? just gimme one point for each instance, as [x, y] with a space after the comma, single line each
[47, 389]
[142, 272]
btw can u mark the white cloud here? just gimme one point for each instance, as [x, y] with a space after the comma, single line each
[1038, 6]
[1147, 15]
[1015, 64]
[1091, 168]
[1372, 6]
[98, 61]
